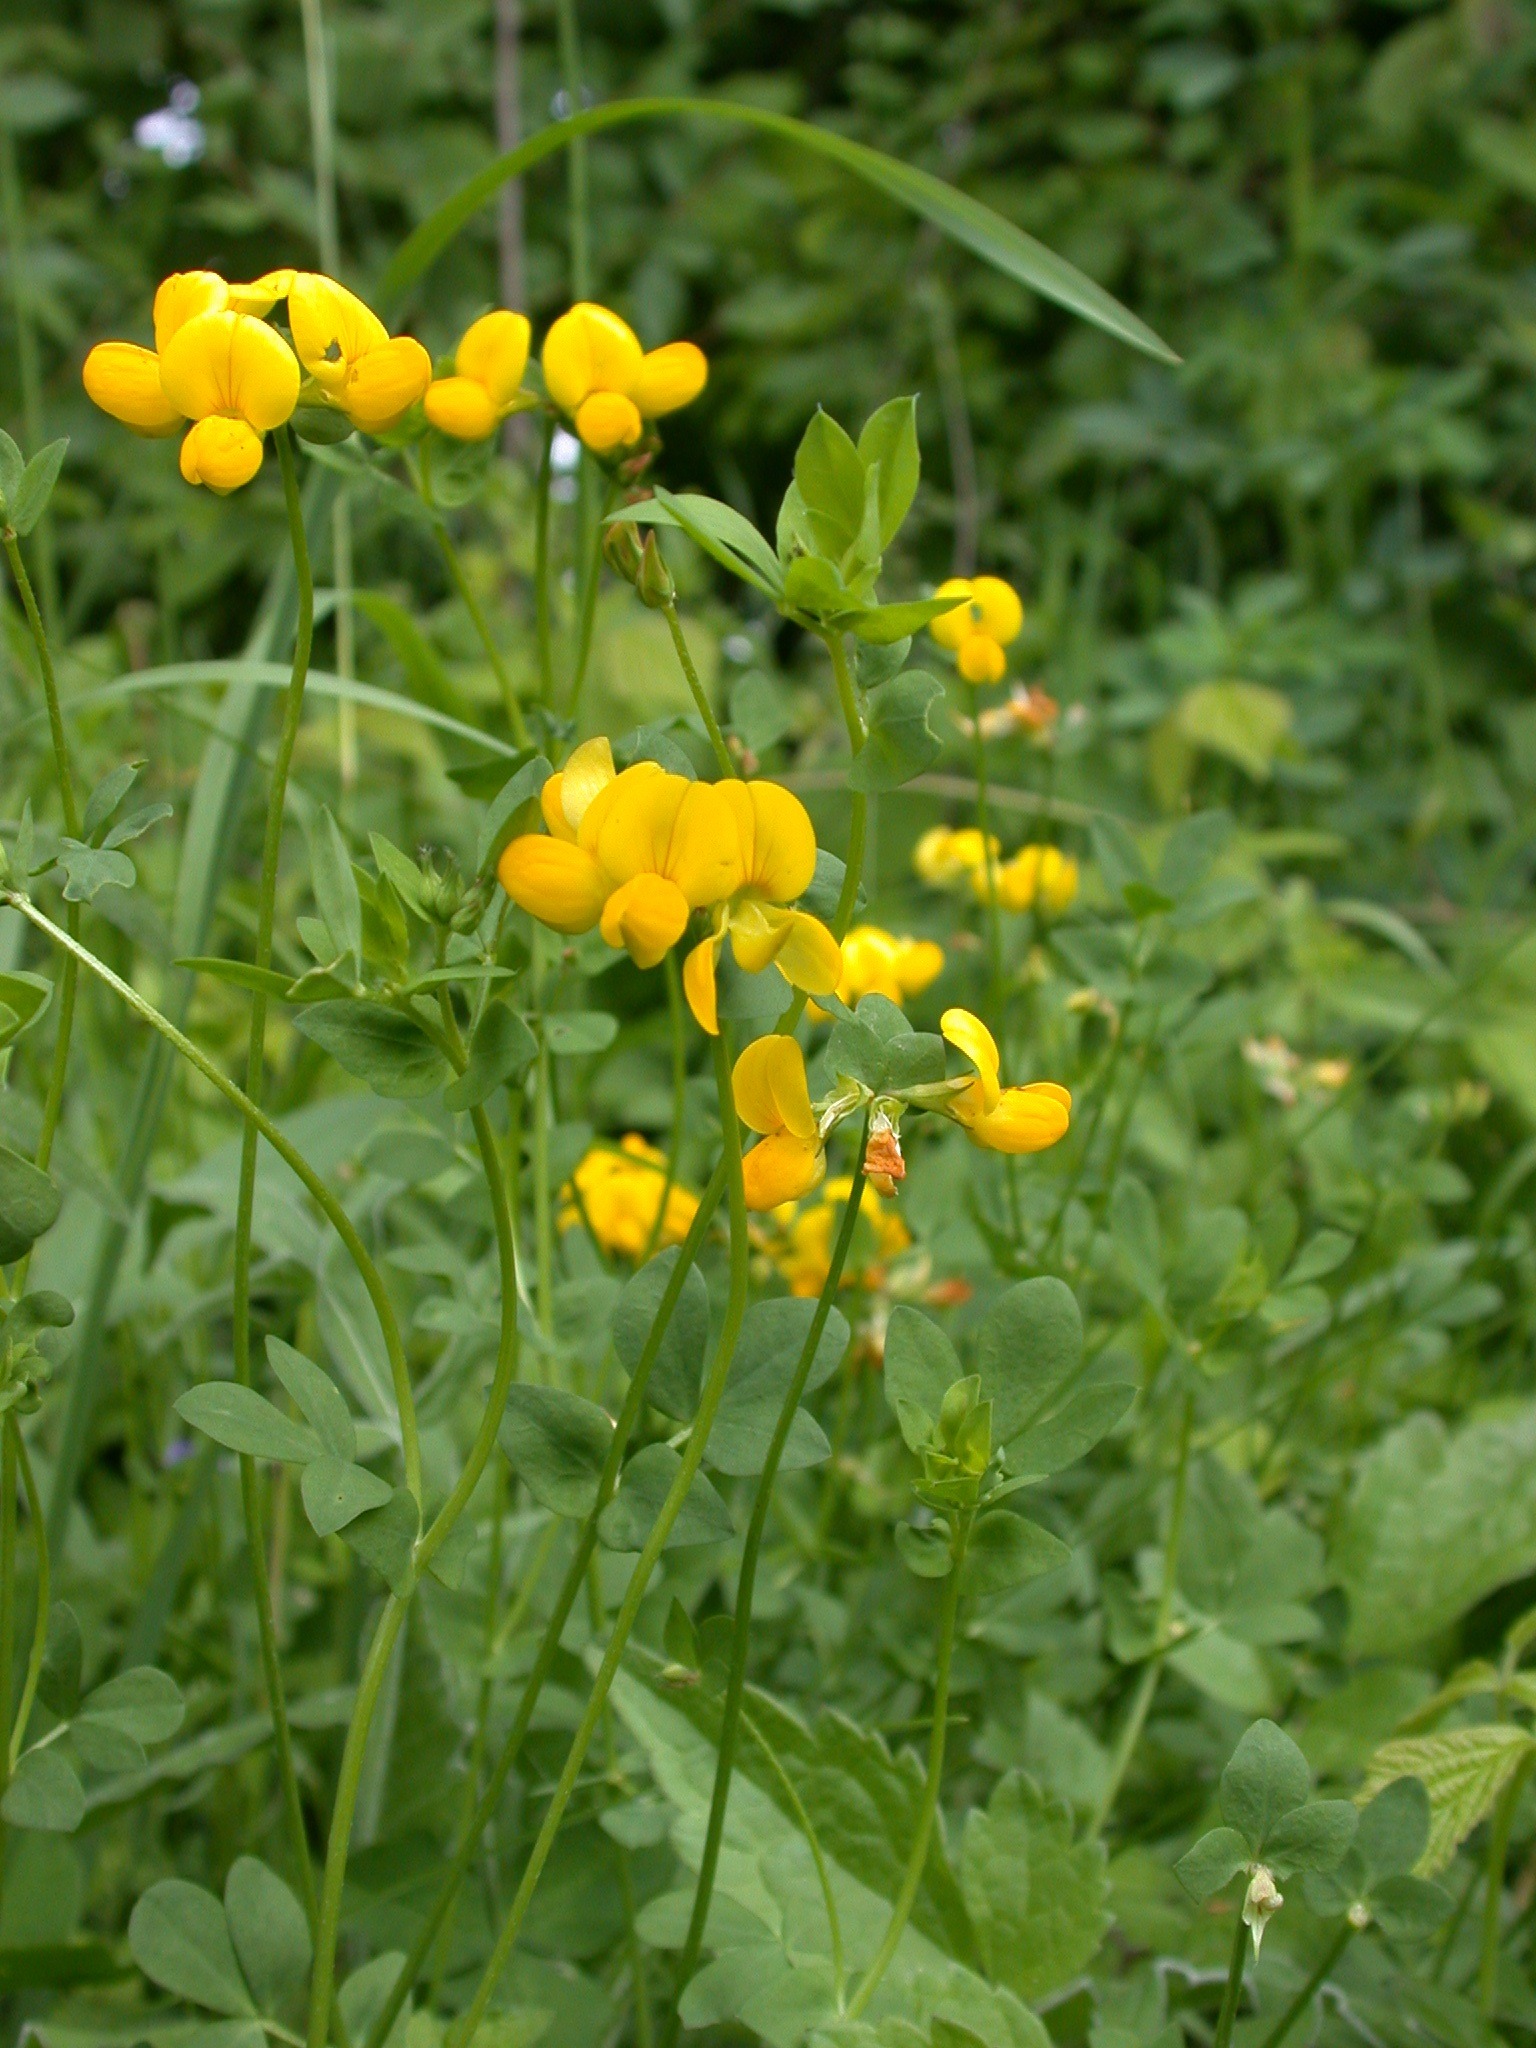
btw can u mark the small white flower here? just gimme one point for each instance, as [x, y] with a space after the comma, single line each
[1263, 1900]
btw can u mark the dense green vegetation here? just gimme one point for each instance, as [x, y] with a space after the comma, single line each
[1055, 1557]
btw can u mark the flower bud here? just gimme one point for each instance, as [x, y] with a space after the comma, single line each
[654, 583]
[1262, 1902]
[621, 550]
[442, 894]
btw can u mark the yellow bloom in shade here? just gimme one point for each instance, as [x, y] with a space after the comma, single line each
[977, 630]
[620, 1192]
[487, 379]
[347, 350]
[1026, 1119]
[235, 378]
[124, 380]
[772, 1098]
[182, 297]
[598, 375]
[777, 849]
[875, 962]
[1039, 878]
[801, 1246]
[944, 856]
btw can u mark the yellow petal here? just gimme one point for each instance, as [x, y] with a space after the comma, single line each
[809, 957]
[670, 377]
[1000, 614]
[262, 293]
[699, 985]
[1017, 880]
[870, 958]
[769, 1086]
[647, 916]
[182, 296]
[553, 881]
[221, 453]
[461, 407]
[124, 380]
[230, 363]
[589, 769]
[608, 421]
[980, 660]
[494, 352]
[781, 1169]
[778, 842]
[589, 349]
[758, 931]
[331, 327]
[920, 964]
[970, 1036]
[1025, 1119]
[628, 824]
[950, 628]
[385, 383]
[703, 853]
[1058, 880]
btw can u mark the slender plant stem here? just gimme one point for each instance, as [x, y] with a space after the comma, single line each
[288, 1152]
[709, 1401]
[28, 358]
[571, 1586]
[8, 1440]
[255, 1076]
[677, 1032]
[813, 1843]
[700, 695]
[1151, 1671]
[1493, 1885]
[543, 626]
[44, 1592]
[1234, 1990]
[323, 1979]
[988, 865]
[917, 1858]
[576, 189]
[482, 625]
[746, 1582]
[858, 803]
[1308, 1991]
[590, 514]
[543, 1194]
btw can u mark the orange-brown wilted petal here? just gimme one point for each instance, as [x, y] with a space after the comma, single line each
[553, 881]
[969, 1035]
[669, 378]
[221, 453]
[124, 380]
[646, 916]
[782, 1169]
[182, 297]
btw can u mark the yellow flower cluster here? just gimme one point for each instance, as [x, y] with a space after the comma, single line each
[876, 962]
[800, 1243]
[638, 853]
[1040, 878]
[619, 1193]
[217, 364]
[977, 631]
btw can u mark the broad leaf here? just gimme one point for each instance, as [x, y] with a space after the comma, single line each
[1031, 1344]
[384, 1047]
[242, 1420]
[44, 1793]
[29, 1204]
[501, 1050]
[773, 1335]
[1463, 1771]
[1005, 1551]
[673, 1385]
[180, 1940]
[1213, 1862]
[556, 1443]
[317, 1397]
[921, 1365]
[889, 438]
[1265, 1779]
[336, 1493]
[385, 1538]
[647, 1479]
[270, 1936]
[901, 741]
[1037, 1897]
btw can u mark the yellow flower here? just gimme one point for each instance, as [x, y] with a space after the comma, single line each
[487, 381]
[801, 1248]
[976, 632]
[1026, 1119]
[235, 378]
[620, 1193]
[599, 376]
[1038, 877]
[875, 962]
[772, 1098]
[348, 352]
[944, 856]
[777, 854]
[124, 379]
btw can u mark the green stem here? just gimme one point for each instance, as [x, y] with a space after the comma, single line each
[28, 358]
[7, 1604]
[746, 1582]
[1234, 1990]
[541, 606]
[322, 1982]
[700, 696]
[917, 1859]
[50, 681]
[712, 1393]
[590, 515]
[1308, 1991]
[1493, 1885]
[255, 1076]
[677, 1031]
[570, 68]
[988, 867]
[1151, 1672]
[549, 1647]
[476, 610]
[858, 804]
[289, 1153]
[543, 1194]
[813, 1843]
[44, 1591]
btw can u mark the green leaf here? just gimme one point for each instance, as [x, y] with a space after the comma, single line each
[1031, 1344]
[58, 1682]
[901, 741]
[13, 466]
[90, 869]
[889, 438]
[921, 1365]
[813, 586]
[259, 981]
[1245, 723]
[55, 1965]
[142, 1702]
[510, 811]
[107, 795]
[830, 476]
[385, 1537]
[629, 1517]
[1082, 1420]
[402, 874]
[721, 531]
[925, 1552]
[180, 1940]
[1463, 1772]
[1137, 1237]
[336, 1493]
[888, 625]
[1394, 1829]
[384, 1047]
[1037, 1897]
[426, 673]
[1265, 1778]
[673, 1386]
[136, 824]
[26, 997]
[1212, 1863]
[316, 1396]
[29, 1204]
[1409, 1908]
[1005, 1551]
[243, 1420]
[556, 1442]
[501, 1050]
[955, 213]
[1312, 1837]
[773, 1334]
[30, 500]
[44, 1793]
[270, 1936]
[335, 887]
[568, 1032]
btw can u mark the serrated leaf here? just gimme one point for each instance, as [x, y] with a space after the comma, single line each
[1463, 1771]
[1038, 1897]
